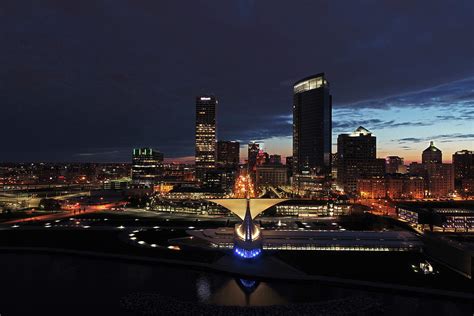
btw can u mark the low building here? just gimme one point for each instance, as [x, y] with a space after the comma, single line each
[117, 184]
[316, 240]
[373, 188]
[450, 216]
[147, 167]
[309, 185]
[312, 209]
[274, 175]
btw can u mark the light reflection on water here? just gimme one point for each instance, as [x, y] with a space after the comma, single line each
[243, 292]
[54, 283]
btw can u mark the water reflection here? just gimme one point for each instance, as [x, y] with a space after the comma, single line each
[203, 288]
[245, 292]
[248, 285]
[54, 283]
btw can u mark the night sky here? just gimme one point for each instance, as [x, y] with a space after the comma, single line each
[88, 80]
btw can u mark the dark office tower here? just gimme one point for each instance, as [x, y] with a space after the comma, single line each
[312, 125]
[253, 151]
[289, 166]
[463, 162]
[357, 159]
[275, 160]
[432, 154]
[205, 135]
[147, 166]
[394, 164]
[228, 153]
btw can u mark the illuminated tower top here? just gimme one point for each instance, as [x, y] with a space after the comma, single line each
[312, 125]
[432, 154]
[205, 134]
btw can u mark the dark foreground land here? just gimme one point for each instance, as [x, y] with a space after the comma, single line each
[90, 263]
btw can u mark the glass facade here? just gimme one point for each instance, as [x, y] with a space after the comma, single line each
[312, 125]
[205, 135]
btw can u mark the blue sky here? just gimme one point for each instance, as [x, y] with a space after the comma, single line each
[405, 124]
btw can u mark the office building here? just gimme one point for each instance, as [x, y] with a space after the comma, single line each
[432, 155]
[274, 160]
[273, 175]
[289, 166]
[438, 176]
[309, 185]
[228, 153]
[463, 162]
[440, 179]
[205, 135]
[312, 125]
[357, 159]
[253, 151]
[393, 186]
[394, 164]
[147, 167]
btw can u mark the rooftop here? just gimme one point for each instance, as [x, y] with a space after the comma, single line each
[432, 147]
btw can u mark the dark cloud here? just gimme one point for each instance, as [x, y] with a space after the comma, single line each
[444, 138]
[371, 124]
[458, 93]
[96, 76]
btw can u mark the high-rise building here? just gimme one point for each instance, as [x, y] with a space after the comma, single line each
[463, 162]
[228, 153]
[440, 180]
[438, 176]
[289, 166]
[205, 135]
[357, 159]
[432, 155]
[147, 166]
[312, 125]
[394, 164]
[275, 160]
[252, 156]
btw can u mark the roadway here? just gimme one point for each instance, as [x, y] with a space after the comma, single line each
[50, 217]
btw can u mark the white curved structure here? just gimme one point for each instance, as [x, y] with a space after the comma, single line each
[247, 235]
[239, 206]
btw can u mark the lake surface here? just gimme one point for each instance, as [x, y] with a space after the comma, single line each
[43, 284]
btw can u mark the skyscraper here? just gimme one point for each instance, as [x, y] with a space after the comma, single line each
[312, 124]
[432, 154]
[205, 135]
[394, 164]
[147, 166]
[357, 158]
[253, 150]
[228, 153]
[463, 162]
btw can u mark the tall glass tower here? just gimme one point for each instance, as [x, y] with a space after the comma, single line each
[312, 125]
[205, 135]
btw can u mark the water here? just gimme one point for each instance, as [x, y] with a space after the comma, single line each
[73, 285]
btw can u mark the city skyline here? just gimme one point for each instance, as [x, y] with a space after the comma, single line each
[101, 95]
[237, 157]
